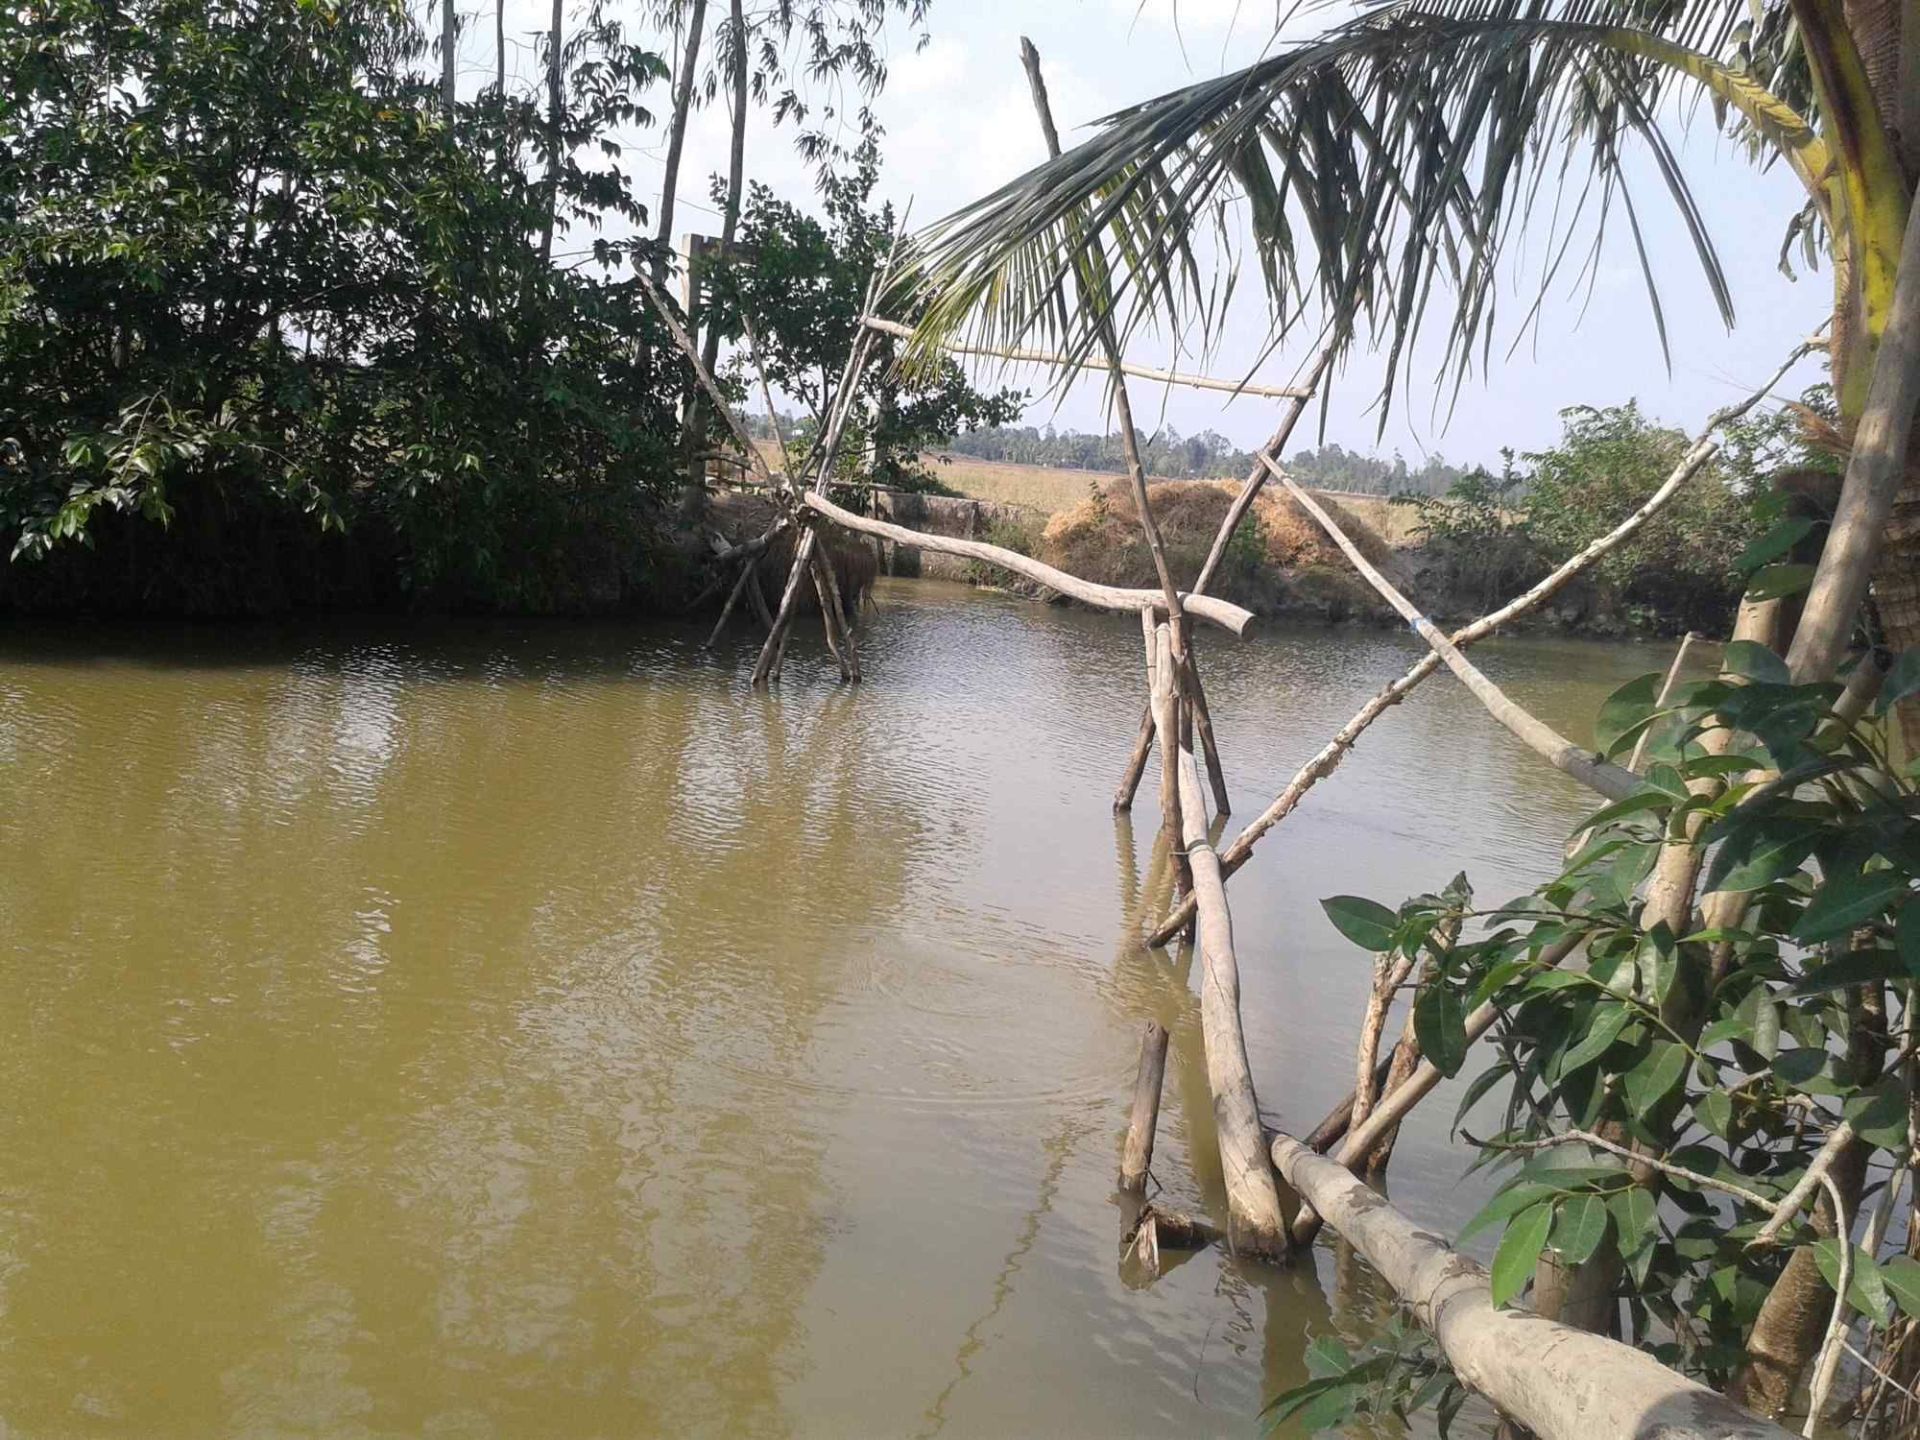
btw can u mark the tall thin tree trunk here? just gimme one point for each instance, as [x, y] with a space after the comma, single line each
[677, 137]
[449, 45]
[500, 47]
[695, 499]
[555, 34]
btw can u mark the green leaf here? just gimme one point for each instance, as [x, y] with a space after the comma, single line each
[1602, 1031]
[1440, 1025]
[1906, 935]
[1754, 661]
[1901, 1277]
[1846, 900]
[1856, 967]
[1777, 580]
[1811, 1070]
[1715, 1112]
[1879, 1114]
[1866, 1290]
[1760, 852]
[1649, 1082]
[1777, 541]
[1634, 1215]
[1580, 1227]
[1519, 1252]
[1367, 923]
[1518, 1196]
[1625, 713]
[1762, 1019]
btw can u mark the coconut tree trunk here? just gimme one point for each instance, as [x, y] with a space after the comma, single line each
[1889, 54]
[677, 138]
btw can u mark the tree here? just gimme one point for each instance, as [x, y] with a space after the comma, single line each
[801, 286]
[273, 332]
[1398, 150]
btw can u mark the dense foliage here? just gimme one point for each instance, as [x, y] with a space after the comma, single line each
[255, 288]
[1720, 1062]
[1488, 535]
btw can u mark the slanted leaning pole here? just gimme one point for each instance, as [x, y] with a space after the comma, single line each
[1323, 764]
[1222, 613]
[1236, 512]
[1101, 321]
[1616, 782]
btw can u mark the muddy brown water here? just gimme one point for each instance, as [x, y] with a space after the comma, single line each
[521, 1029]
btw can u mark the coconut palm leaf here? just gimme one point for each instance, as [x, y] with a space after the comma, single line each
[1372, 172]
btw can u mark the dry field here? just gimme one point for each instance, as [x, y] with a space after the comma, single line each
[1049, 491]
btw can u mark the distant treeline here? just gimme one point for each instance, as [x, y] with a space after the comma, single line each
[1169, 454]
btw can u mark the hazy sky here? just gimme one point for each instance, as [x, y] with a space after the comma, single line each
[959, 123]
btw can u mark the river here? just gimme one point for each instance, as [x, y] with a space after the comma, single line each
[526, 1029]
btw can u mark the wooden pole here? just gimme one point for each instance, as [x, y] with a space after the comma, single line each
[1255, 1225]
[1095, 306]
[747, 572]
[1145, 1117]
[1328, 759]
[1242, 503]
[1666, 693]
[1615, 782]
[1559, 1382]
[1222, 613]
[1394, 1105]
[1060, 362]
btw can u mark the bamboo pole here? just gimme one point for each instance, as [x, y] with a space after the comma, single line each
[1388, 976]
[747, 573]
[1102, 324]
[1059, 362]
[1323, 764]
[1165, 700]
[1561, 1383]
[1334, 1124]
[1222, 613]
[1666, 693]
[1615, 782]
[1255, 1225]
[1243, 502]
[1395, 1104]
[803, 551]
[1145, 1116]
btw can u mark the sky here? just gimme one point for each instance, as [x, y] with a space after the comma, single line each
[959, 122]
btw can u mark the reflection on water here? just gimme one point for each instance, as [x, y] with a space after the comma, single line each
[508, 1030]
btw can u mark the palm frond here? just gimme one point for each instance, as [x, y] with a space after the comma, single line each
[1385, 164]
